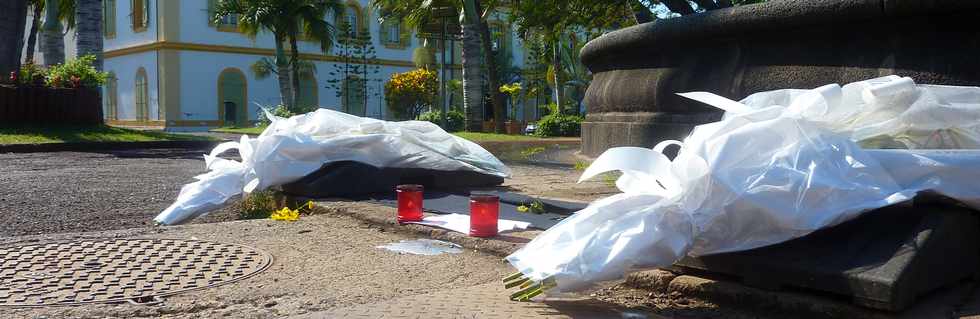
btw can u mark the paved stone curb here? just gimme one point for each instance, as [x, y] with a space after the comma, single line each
[738, 295]
[658, 281]
[101, 146]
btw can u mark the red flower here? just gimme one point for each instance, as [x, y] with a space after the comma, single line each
[76, 82]
[13, 76]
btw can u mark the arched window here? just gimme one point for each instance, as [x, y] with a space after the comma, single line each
[350, 19]
[141, 94]
[232, 96]
[111, 99]
[139, 13]
[308, 92]
[500, 36]
[354, 98]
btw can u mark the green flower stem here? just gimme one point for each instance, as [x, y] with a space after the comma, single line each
[513, 276]
[516, 283]
[524, 292]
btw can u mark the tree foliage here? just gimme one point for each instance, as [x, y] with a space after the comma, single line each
[408, 93]
[287, 20]
[358, 60]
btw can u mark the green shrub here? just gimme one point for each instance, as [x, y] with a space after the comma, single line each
[282, 111]
[31, 75]
[455, 119]
[557, 124]
[259, 205]
[76, 73]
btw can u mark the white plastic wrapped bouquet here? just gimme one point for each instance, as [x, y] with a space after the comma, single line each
[780, 165]
[292, 148]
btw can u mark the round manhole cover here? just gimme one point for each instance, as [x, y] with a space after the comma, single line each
[119, 270]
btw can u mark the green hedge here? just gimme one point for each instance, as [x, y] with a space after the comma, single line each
[558, 124]
[456, 119]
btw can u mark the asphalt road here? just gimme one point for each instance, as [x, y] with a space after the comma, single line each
[43, 193]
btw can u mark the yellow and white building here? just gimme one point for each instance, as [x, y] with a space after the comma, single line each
[172, 68]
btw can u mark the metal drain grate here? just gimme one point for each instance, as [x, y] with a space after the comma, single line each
[119, 270]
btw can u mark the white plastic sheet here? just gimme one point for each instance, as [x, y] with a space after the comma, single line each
[780, 165]
[292, 148]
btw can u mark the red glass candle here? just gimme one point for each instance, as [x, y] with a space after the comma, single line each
[484, 210]
[409, 203]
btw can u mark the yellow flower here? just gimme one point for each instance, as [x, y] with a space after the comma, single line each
[285, 214]
[522, 209]
[309, 204]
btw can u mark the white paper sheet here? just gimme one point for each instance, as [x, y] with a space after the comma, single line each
[461, 223]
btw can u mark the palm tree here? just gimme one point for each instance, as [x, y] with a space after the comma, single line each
[88, 16]
[52, 39]
[287, 20]
[66, 14]
[11, 33]
[37, 6]
[476, 48]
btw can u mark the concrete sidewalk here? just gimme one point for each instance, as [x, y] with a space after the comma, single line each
[484, 301]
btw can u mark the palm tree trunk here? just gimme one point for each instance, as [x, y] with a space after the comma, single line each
[11, 32]
[32, 38]
[472, 78]
[282, 74]
[52, 40]
[494, 85]
[88, 21]
[294, 70]
[556, 65]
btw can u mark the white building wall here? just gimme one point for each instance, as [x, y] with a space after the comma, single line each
[196, 29]
[199, 85]
[125, 35]
[125, 68]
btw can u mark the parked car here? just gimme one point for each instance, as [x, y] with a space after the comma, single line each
[530, 128]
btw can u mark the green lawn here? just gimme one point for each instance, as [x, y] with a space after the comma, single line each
[472, 136]
[241, 130]
[73, 134]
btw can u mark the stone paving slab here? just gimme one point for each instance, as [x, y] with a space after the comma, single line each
[487, 301]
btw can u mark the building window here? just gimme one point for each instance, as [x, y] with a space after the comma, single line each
[394, 29]
[499, 36]
[350, 16]
[232, 94]
[230, 20]
[225, 23]
[354, 98]
[109, 18]
[308, 95]
[140, 14]
[112, 97]
[393, 34]
[141, 94]
[350, 19]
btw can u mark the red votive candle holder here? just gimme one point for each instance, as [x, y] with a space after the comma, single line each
[409, 203]
[484, 210]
